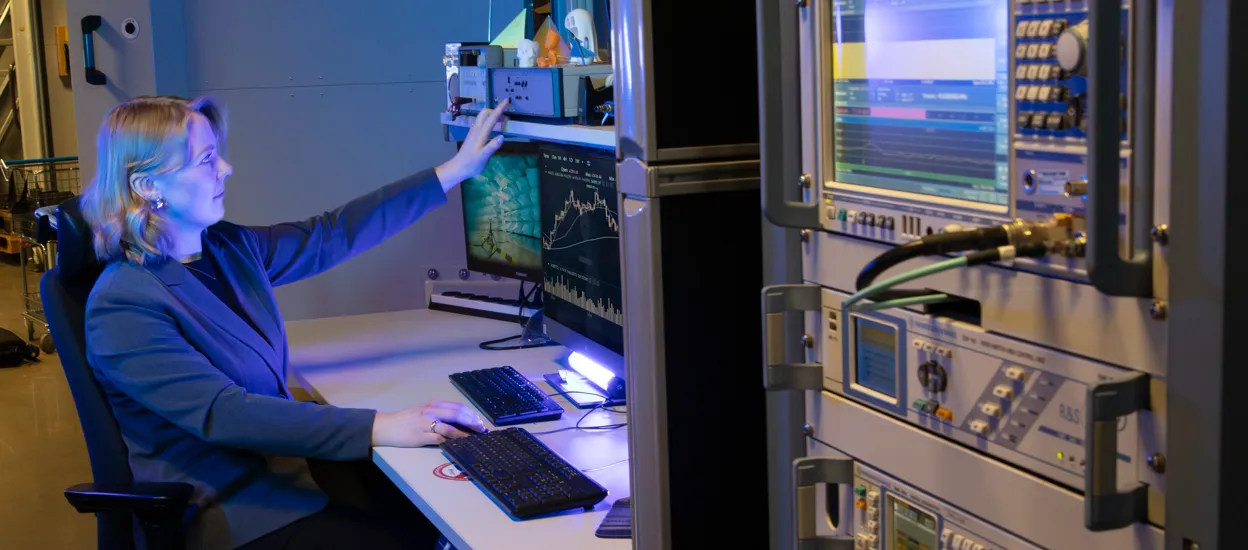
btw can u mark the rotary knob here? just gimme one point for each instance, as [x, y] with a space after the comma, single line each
[1072, 47]
[933, 377]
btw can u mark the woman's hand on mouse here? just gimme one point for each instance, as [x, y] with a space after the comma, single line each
[477, 148]
[429, 424]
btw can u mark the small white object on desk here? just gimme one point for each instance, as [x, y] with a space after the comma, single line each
[390, 361]
[526, 53]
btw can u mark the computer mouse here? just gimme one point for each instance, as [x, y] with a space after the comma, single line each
[466, 429]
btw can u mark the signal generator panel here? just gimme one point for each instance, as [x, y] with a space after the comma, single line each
[890, 515]
[952, 113]
[1024, 404]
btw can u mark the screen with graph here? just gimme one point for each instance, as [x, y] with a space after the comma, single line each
[581, 244]
[501, 215]
[921, 96]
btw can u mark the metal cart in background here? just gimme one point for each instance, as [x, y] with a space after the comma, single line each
[44, 184]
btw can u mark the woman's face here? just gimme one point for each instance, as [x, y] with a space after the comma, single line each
[194, 195]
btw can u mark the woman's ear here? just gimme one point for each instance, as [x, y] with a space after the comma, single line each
[144, 186]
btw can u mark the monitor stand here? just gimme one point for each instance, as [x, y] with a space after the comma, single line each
[579, 390]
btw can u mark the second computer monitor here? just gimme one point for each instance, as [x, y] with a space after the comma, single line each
[501, 215]
[581, 253]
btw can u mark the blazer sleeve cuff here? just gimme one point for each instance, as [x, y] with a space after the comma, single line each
[359, 433]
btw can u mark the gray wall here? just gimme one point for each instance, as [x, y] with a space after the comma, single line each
[60, 91]
[327, 102]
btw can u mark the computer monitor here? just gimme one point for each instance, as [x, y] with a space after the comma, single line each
[501, 216]
[582, 290]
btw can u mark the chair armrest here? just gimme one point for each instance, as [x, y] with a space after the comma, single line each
[146, 500]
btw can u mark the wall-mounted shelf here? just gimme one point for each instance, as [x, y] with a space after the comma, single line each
[602, 137]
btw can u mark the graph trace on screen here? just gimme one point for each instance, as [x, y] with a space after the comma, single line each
[558, 287]
[554, 240]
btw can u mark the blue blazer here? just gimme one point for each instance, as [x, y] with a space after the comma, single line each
[201, 395]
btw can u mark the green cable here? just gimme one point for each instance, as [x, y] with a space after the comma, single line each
[947, 265]
[903, 302]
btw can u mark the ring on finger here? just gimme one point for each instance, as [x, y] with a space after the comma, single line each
[433, 426]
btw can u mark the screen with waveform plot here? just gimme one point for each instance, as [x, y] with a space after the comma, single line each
[581, 244]
[502, 222]
[921, 101]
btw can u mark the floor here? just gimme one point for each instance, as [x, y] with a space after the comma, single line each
[41, 447]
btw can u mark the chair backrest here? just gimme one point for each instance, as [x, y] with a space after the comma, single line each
[64, 290]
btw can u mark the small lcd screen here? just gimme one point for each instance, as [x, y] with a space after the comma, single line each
[922, 96]
[875, 356]
[913, 529]
[502, 215]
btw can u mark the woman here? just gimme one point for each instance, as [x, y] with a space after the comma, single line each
[184, 333]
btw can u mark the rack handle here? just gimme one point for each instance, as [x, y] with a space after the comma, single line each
[1104, 508]
[90, 24]
[1109, 272]
[779, 83]
[809, 472]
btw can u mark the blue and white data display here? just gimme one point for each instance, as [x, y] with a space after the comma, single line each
[922, 96]
[875, 356]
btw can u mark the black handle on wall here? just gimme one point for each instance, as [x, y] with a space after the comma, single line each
[90, 24]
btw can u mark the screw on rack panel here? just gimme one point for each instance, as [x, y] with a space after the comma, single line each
[808, 340]
[1158, 463]
[801, 3]
[1161, 234]
[805, 235]
[433, 274]
[808, 430]
[805, 181]
[1158, 310]
[464, 274]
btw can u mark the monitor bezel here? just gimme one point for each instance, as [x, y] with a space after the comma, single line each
[487, 268]
[566, 336]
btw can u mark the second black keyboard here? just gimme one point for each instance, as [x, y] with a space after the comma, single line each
[506, 397]
[522, 474]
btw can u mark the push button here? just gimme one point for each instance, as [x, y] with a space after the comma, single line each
[991, 409]
[1055, 122]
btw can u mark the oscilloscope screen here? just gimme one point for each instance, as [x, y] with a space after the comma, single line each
[922, 97]
[501, 215]
[581, 244]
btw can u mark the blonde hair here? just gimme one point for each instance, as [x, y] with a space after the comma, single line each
[145, 135]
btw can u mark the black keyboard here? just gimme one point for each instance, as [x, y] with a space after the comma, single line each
[522, 474]
[506, 397]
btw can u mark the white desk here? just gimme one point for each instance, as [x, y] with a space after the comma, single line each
[390, 361]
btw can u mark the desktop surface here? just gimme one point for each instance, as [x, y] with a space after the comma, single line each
[389, 361]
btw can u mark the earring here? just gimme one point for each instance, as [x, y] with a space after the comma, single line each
[159, 203]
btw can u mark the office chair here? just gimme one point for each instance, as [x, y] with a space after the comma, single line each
[116, 499]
